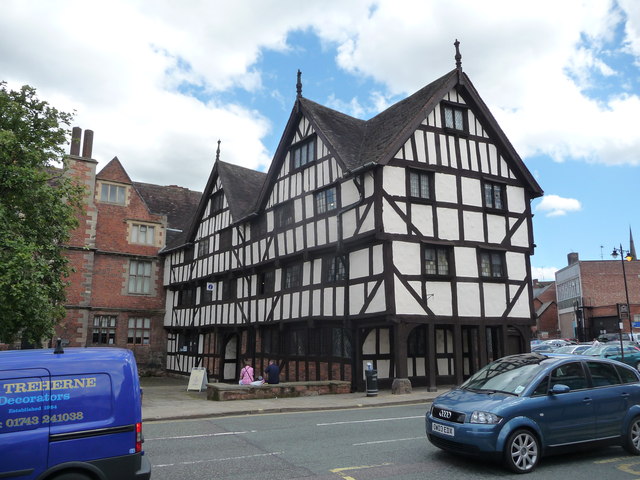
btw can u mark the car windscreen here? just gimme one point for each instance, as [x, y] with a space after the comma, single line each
[509, 375]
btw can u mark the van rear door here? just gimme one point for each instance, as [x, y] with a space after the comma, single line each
[24, 437]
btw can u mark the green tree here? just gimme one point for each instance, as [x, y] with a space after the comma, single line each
[37, 214]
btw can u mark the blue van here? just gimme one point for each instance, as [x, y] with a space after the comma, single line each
[71, 415]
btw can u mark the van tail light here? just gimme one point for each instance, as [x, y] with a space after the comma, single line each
[139, 437]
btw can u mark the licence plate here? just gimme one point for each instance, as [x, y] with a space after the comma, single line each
[443, 429]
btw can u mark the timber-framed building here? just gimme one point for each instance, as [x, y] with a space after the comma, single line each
[403, 241]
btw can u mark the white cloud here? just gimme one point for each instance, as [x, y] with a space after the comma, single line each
[556, 206]
[544, 273]
[123, 65]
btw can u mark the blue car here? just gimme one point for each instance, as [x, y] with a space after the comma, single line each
[522, 407]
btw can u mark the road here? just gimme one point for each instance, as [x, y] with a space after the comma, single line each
[363, 444]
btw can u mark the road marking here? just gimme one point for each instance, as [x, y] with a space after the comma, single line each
[367, 421]
[388, 441]
[340, 471]
[243, 457]
[200, 435]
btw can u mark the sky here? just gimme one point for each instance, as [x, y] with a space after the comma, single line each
[160, 82]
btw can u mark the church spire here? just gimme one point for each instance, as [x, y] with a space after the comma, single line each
[632, 247]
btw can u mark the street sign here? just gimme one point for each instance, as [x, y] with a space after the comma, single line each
[623, 311]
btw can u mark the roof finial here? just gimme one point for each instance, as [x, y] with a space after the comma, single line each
[458, 56]
[299, 84]
[218, 152]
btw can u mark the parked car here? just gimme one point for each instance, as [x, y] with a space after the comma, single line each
[612, 351]
[573, 349]
[521, 407]
[544, 348]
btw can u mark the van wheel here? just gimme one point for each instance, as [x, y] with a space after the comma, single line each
[522, 451]
[73, 476]
[638, 366]
[632, 441]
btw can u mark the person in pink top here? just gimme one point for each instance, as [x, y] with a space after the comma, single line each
[246, 374]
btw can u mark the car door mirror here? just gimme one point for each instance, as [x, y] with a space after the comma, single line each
[559, 388]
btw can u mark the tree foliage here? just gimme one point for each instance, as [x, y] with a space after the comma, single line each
[37, 213]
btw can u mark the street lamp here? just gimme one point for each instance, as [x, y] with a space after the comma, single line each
[628, 257]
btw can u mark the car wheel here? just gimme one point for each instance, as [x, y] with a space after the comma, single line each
[632, 442]
[522, 451]
[638, 366]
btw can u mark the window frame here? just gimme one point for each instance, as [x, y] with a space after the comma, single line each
[455, 108]
[225, 241]
[447, 250]
[203, 247]
[217, 202]
[292, 276]
[335, 269]
[266, 282]
[258, 227]
[492, 275]
[146, 279]
[117, 188]
[230, 290]
[101, 329]
[284, 215]
[136, 231]
[321, 201]
[490, 202]
[423, 175]
[308, 146]
[144, 328]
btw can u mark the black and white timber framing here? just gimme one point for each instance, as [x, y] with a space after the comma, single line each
[403, 241]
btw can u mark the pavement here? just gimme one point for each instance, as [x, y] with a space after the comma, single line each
[167, 398]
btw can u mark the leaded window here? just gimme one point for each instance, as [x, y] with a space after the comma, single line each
[335, 269]
[303, 154]
[139, 331]
[111, 193]
[436, 260]
[139, 276]
[494, 195]
[104, 329]
[326, 200]
[492, 264]
[284, 214]
[292, 276]
[454, 117]
[419, 184]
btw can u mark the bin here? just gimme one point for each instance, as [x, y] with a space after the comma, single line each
[371, 377]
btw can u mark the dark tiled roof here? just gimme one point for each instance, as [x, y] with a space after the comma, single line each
[177, 203]
[241, 187]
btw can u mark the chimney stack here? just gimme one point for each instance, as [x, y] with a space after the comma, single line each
[573, 257]
[76, 133]
[87, 145]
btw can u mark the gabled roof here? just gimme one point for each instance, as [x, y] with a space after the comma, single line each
[115, 172]
[356, 143]
[241, 186]
[177, 203]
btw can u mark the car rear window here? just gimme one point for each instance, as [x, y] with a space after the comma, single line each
[603, 374]
[627, 375]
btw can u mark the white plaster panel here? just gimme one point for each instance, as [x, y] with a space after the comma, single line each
[384, 369]
[516, 266]
[521, 307]
[466, 262]
[359, 264]
[349, 193]
[333, 229]
[473, 226]
[368, 223]
[393, 223]
[308, 206]
[471, 192]
[431, 148]
[295, 305]
[369, 345]
[348, 223]
[311, 236]
[322, 232]
[286, 305]
[448, 224]
[405, 302]
[469, 300]
[496, 229]
[394, 181]
[408, 151]
[328, 301]
[445, 188]
[464, 158]
[378, 303]
[317, 304]
[422, 218]
[439, 297]
[378, 260]
[515, 199]
[317, 270]
[494, 299]
[385, 345]
[493, 158]
[339, 292]
[520, 237]
[356, 298]
[453, 160]
[406, 257]
[420, 147]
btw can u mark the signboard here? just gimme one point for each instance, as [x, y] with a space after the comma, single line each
[210, 286]
[623, 311]
[636, 324]
[198, 379]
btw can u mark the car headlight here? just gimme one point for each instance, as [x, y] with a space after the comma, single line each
[485, 417]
